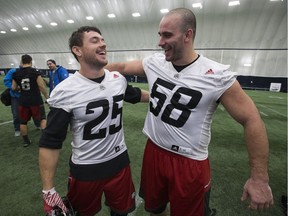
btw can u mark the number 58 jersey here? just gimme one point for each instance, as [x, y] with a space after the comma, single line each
[182, 103]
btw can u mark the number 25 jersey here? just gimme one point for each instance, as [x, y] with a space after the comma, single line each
[96, 121]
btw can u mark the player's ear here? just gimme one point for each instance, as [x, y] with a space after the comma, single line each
[189, 34]
[77, 51]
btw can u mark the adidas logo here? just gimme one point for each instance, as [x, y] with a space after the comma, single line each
[117, 148]
[210, 71]
[175, 148]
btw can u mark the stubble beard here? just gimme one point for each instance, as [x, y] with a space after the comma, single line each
[95, 62]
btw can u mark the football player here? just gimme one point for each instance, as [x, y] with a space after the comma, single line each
[185, 90]
[91, 101]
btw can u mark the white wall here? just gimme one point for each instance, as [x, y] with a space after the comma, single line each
[255, 32]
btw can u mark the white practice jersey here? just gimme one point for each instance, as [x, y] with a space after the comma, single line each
[182, 103]
[96, 121]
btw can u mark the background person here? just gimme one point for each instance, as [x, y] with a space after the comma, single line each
[185, 90]
[15, 95]
[29, 82]
[91, 101]
[56, 74]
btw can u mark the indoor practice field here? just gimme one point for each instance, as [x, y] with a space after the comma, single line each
[20, 184]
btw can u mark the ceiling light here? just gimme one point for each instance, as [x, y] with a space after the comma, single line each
[111, 15]
[38, 26]
[136, 14]
[13, 30]
[247, 65]
[89, 18]
[233, 3]
[3, 32]
[70, 21]
[197, 5]
[130, 58]
[12, 64]
[25, 28]
[275, 0]
[164, 10]
[53, 24]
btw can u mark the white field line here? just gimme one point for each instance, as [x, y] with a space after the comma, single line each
[223, 109]
[272, 110]
[3, 123]
[263, 113]
[281, 98]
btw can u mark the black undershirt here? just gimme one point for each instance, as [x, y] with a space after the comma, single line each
[98, 79]
[181, 67]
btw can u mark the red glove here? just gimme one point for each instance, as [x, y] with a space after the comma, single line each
[52, 199]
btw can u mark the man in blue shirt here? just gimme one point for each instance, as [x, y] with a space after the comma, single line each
[56, 74]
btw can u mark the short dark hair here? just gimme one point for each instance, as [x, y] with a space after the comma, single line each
[26, 59]
[51, 60]
[188, 19]
[76, 38]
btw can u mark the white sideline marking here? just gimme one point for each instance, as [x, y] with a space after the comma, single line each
[263, 113]
[272, 110]
[138, 201]
[281, 98]
[3, 123]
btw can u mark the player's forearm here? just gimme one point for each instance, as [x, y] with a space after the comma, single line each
[144, 96]
[258, 150]
[44, 92]
[127, 68]
[48, 159]
[46, 82]
[14, 86]
[118, 66]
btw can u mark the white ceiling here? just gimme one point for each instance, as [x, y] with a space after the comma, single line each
[256, 28]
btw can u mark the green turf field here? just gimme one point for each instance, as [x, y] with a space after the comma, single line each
[20, 185]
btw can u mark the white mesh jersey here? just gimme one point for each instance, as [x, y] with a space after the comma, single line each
[182, 104]
[96, 121]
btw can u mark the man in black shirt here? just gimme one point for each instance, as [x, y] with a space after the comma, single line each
[29, 82]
